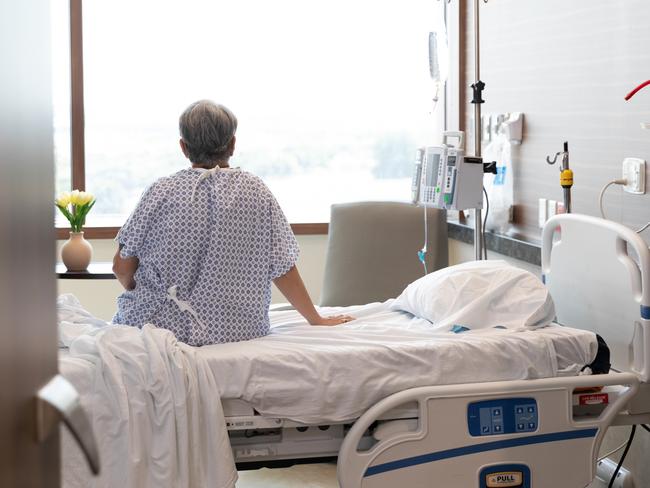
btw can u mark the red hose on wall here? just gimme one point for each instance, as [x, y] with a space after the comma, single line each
[633, 92]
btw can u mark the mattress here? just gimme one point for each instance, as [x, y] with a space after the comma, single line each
[332, 374]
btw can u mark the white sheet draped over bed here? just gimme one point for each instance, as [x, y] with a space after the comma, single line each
[334, 374]
[154, 406]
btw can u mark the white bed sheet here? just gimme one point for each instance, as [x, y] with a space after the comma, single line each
[153, 405]
[332, 374]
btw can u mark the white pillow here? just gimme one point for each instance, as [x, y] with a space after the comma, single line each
[478, 295]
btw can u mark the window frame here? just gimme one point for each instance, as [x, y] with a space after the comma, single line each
[77, 128]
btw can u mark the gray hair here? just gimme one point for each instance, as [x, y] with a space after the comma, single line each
[207, 129]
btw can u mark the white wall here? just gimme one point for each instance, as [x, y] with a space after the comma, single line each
[568, 71]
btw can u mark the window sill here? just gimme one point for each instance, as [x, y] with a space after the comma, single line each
[111, 232]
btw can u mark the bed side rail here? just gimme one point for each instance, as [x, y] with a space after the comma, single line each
[459, 439]
[598, 273]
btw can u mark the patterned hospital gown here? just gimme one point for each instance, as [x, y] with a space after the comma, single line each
[216, 242]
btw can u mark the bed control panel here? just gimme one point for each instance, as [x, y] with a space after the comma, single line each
[503, 416]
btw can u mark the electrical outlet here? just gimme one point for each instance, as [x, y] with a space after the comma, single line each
[634, 173]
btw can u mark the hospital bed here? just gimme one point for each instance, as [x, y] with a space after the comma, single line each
[598, 274]
[543, 432]
[468, 410]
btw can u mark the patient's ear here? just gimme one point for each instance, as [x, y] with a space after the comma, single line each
[183, 147]
[231, 145]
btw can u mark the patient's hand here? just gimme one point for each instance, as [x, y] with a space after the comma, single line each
[292, 287]
[332, 320]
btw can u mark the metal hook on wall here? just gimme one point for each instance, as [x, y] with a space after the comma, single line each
[548, 158]
[566, 175]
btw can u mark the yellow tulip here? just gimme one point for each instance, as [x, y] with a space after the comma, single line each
[82, 202]
[63, 200]
[74, 197]
[85, 198]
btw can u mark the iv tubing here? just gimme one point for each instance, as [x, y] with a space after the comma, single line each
[426, 241]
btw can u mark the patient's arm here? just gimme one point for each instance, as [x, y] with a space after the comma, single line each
[124, 270]
[294, 290]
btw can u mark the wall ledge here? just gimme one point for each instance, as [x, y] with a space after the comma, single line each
[517, 243]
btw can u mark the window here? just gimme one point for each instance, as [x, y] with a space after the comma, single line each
[61, 93]
[332, 97]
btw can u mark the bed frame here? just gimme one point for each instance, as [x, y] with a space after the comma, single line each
[539, 433]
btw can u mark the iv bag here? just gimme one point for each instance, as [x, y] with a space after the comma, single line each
[438, 60]
[499, 187]
[438, 54]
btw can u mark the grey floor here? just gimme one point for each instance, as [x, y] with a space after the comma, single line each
[305, 476]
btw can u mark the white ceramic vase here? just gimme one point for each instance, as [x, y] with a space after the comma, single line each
[77, 252]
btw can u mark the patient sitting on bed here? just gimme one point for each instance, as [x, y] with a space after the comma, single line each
[199, 252]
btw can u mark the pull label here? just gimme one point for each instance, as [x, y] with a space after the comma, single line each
[504, 479]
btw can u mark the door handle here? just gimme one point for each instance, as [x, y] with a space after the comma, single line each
[58, 400]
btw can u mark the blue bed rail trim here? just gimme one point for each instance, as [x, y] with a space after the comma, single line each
[477, 448]
[645, 312]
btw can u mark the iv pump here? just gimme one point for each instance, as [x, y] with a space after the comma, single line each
[444, 177]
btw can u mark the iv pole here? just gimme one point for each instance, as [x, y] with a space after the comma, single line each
[477, 100]
[477, 88]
